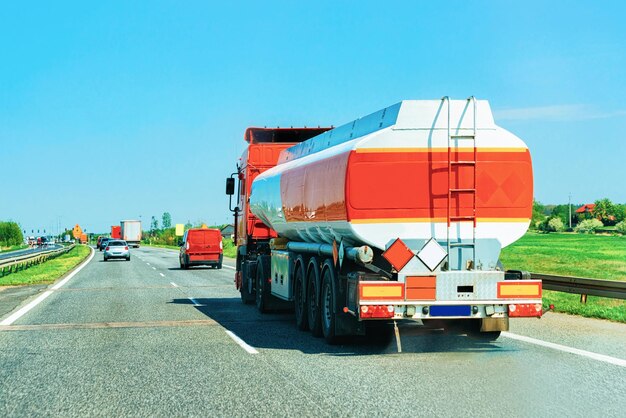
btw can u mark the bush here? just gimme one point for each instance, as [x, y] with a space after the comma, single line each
[588, 226]
[556, 225]
[10, 234]
[621, 227]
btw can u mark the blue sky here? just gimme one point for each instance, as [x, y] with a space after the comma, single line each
[115, 110]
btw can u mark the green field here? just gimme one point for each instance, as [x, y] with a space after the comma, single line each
[49, 271]
[579, 255]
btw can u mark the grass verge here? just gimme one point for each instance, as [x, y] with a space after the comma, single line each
[579, 255]
[13, 248]
[169, 247]
[49, 271]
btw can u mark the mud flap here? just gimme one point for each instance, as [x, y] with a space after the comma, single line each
[494, 324]
[346, 324]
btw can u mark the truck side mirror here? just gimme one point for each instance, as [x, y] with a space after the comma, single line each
[230, 186]
[180, 242]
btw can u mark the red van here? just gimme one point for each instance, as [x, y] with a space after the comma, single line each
[201, 247]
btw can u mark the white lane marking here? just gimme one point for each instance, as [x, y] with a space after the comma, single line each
[195, 302]
[595, 356]
[241, 343]
[173, 284]
[148, 263]
[17, 315]
[162, 275]
[228, 267]
[153, 268]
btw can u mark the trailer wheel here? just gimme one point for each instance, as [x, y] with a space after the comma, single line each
[328, 300]
[299, 292]
[312, 297]
[262, 288]
[248, 280]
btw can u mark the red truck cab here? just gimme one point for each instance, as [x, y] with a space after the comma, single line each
[252, 236]
[201, 247]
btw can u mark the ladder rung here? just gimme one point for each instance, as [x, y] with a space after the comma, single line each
[461, 244]
[463, 190]
[463, 162]
[463, 136]
[461, 218]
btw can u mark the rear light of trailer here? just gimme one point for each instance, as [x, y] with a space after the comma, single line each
[381, 291]
[187, 246]
[377, 311]
[519, 289]
[221, 246]
[525, 310]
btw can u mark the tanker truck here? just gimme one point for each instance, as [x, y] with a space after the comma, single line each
[396, 216]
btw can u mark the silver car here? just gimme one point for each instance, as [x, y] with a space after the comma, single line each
[116, 248]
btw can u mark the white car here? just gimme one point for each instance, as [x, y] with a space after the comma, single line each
[116, 248]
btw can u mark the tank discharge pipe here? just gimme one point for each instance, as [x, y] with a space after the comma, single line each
[363, 254]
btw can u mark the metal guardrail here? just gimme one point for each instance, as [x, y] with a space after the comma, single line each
[12, 265]
[583, 286]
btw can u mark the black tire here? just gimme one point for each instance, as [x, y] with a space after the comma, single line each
[328, 300]
[106, 259]
[262, 288]
[299, 294]
[128, 258]
[314, 319]
[219, 266]
[247, 297]
[248, 280]
[185, 263]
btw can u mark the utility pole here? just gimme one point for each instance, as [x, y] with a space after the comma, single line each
[569, 204]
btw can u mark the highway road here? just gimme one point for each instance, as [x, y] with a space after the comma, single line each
[143, 338]
[11, 254]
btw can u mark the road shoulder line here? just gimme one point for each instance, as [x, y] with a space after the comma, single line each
[595, 356]
[21, 312]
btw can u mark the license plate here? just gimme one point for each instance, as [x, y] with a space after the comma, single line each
[452, 310]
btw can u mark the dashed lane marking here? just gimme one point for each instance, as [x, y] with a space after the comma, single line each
[195, 302]
[173, 284]
[162, 275]
[595, 356]
[228, 267]
[241, 343]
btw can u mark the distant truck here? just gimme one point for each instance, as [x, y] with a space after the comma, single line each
[83, 238]
[131, 232]
[116, 231]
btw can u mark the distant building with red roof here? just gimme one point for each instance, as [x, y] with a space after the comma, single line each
[586, 208]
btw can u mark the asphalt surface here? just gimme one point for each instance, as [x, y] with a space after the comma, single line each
[143, 338]
[11, 254]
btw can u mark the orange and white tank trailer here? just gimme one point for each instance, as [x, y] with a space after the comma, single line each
[399, 215]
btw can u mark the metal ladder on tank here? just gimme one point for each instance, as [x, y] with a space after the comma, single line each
[454, 192]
